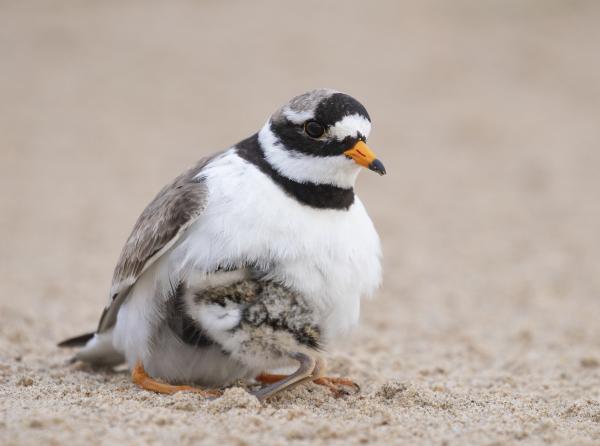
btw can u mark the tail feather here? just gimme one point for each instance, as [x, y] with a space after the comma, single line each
[96, 349]
[77, 341]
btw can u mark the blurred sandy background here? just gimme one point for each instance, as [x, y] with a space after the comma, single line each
[486, 114]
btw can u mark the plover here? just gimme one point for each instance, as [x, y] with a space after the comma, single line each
[254, 259]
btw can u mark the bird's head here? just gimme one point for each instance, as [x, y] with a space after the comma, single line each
[320, 137]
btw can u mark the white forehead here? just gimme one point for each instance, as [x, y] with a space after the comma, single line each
[351, 125]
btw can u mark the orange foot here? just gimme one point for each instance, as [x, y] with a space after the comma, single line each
[337, 386]
[141, 378]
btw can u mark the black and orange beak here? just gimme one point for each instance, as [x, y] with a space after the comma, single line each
[362, 155]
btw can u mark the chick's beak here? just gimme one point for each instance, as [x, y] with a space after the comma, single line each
[362, 155]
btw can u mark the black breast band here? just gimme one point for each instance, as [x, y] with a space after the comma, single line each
[320, 196]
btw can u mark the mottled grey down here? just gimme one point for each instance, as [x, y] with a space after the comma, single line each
[159, 226]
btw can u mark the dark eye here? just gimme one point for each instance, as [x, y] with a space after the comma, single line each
[314, 129]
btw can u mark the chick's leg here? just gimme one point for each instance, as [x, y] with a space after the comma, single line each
[304, 373]
[337, 386]
[141, 378]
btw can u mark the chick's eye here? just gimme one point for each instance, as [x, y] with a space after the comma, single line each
[314, 129]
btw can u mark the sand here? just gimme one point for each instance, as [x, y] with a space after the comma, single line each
[486, 330]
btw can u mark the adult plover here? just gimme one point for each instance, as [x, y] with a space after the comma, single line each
[252, 260]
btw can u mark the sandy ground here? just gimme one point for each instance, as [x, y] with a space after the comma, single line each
[486, 330]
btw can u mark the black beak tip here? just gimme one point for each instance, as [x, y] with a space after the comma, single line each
[377, 166]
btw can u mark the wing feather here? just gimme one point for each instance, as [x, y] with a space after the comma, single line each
[159, 226]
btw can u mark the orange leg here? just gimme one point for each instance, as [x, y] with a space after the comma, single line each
[269, 378]
[337, 386]
[141, 378]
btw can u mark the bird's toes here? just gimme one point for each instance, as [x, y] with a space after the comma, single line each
[339, 387]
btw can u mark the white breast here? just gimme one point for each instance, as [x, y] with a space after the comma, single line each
[330, 256]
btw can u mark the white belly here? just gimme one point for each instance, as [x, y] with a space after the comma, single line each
[332, 257]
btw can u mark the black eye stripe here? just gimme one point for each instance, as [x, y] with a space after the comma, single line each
[314, 129]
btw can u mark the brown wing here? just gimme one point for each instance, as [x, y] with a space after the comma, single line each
[171, 212]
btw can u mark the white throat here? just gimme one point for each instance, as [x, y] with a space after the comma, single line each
[335, 170]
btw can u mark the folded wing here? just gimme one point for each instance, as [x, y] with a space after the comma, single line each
[157, 229]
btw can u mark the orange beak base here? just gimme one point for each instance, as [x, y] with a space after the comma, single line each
[362, 155]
